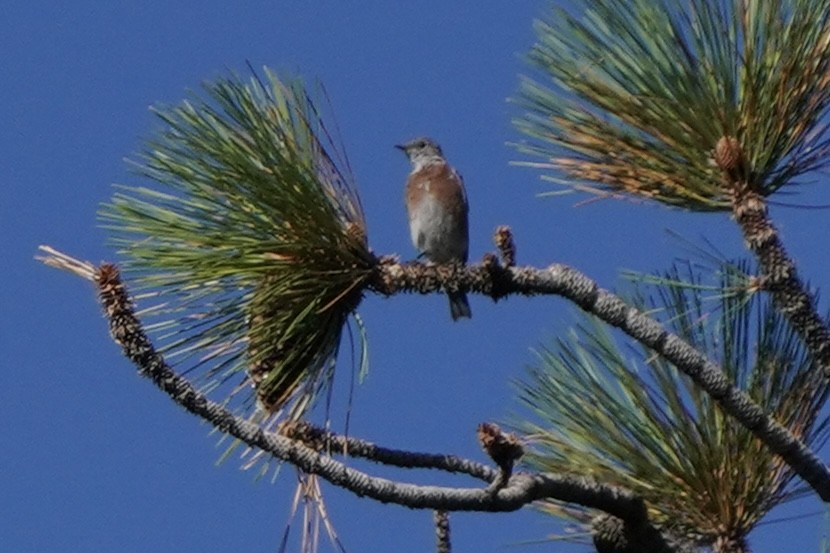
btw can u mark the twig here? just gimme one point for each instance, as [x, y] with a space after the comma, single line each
[442, 531]
[329, 442]
[503, 239]
[503, 448]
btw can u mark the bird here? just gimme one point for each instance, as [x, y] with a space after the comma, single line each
[436, 203]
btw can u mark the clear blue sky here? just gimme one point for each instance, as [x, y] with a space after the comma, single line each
[94, 458]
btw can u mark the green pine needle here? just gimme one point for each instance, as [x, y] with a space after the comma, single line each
[640, 93]
[253, 237]
[627, 417]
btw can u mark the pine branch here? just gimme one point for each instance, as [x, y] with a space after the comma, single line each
[251, 235]
[780, 276]
[591, 407]
[489, 278]
[521, 490]
[322, 440]
[633, 95]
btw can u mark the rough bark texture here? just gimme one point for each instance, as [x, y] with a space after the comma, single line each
[779, 276]
[492, 279]
[520, 490]
[442, 531]
[334, 444]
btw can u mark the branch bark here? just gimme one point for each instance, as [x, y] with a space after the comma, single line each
[442, 531]
[780, 277]
[326, 441]
[491, 279]
[521, 490]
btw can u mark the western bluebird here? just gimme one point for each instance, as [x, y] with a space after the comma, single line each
[437, 207]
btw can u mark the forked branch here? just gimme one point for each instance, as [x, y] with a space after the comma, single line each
[520, 490]
[492, 279]
[488, 278]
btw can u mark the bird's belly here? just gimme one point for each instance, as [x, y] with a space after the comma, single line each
[437, 233]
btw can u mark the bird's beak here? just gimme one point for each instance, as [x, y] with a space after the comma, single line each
[401, 147]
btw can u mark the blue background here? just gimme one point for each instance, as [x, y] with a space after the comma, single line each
[94, 459]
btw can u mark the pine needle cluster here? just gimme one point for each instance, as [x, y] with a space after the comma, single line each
[628, 417]
[252, 239]
[634, 96]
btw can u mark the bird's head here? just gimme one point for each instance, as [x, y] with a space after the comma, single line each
[421, 151]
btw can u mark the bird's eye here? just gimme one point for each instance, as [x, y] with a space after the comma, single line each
[422, 144]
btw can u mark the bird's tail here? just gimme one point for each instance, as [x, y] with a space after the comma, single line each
[459, 307]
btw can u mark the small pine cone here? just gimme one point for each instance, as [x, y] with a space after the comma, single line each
[503, 238]
[729, 156]
[503, 448]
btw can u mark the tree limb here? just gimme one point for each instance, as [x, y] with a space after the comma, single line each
[521, 490]
[779, 275]
[492, 279]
